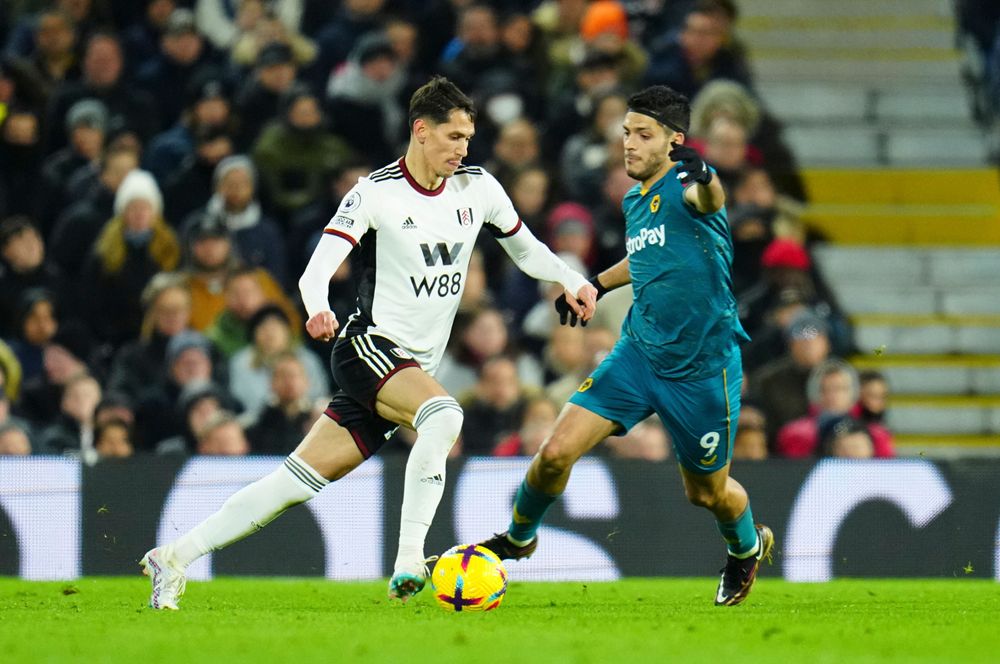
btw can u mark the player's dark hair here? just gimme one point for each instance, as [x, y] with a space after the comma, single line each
[436, 99]
[665, 105]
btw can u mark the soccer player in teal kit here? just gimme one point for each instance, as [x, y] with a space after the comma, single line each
[678, 355]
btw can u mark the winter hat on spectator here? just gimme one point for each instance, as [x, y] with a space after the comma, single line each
[138, 185]
[786, 253]
[275, 53]
[207, 225]
[89, 112]
[185, 340]
[807, 325]
[194, 392]
[371, 46]
[207, 83]
[570, 218]
[231, 163]
[604, 16]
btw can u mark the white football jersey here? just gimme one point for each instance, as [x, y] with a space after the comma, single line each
[415, 247]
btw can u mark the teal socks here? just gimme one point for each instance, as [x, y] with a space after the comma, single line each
[530, 506]
[740, 535]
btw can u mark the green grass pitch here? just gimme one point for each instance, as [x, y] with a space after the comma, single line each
[635, 620]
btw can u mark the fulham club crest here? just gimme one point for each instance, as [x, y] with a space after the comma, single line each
[464, 216]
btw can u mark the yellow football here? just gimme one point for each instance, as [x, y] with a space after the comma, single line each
[469, 578]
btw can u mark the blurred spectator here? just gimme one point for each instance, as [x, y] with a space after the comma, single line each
[64, 357]
[516, 149]
[73, 430]
[530, 191]
[609, 220]
[833, 391]
[647, 441]
[475, 294]
[566, 354]
[363, 100]
[86, 125]
[87, 16]
[114, 406]
[750, 443]
[113, 440]
[222, 435]
[247, 290]
[787, 266]
[141, 38]
[873, 397]
[209, 258]
[296, 154]
[135, 245]
[103, 79]
[478, 336]
[769, 339]
[846, 438]
[78, 226]
[23, 267]
[54, 59]
[21, 155]
[780, 385]
[207, 108]
[250, 369]
[139, 368]
[182, 52]
[585, 156]
[259, 25]
[732, 101]
[259, 101]
[570, 229]
[726, 150]
[190, 361]
[337, 37]
[569, 110]
[259, 241]
[288, 417]
[193, 183]
[537, 422]
[220, 20]
[698, 53]
[197, 402]
[35, 325]
[597, 343]
[494, 409]
[14, 440]
[605, 28]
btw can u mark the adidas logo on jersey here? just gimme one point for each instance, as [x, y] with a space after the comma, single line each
[435, 479]
[408, 224]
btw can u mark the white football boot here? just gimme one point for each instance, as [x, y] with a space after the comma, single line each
[168, 582]
[408, 581]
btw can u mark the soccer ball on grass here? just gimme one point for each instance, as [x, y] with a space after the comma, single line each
[469, 577]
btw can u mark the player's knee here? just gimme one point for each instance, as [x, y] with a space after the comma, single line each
[555, 456]
[702, 496]
[439, 419]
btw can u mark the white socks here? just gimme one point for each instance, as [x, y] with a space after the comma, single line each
[248, 510]
[438, 423]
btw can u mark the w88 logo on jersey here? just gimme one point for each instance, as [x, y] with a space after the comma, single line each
[443, 285]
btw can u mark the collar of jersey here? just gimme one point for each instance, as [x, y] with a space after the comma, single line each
[643, 192]
[416, 185]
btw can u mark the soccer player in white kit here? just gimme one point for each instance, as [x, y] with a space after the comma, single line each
[415, 222]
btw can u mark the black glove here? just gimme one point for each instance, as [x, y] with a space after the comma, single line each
[691, 165]
[566, 314]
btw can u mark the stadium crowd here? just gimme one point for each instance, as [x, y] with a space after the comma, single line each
[167, 166]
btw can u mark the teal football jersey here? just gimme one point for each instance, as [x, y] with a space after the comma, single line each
[683, 316]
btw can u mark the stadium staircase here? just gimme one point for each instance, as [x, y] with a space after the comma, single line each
[899, 181]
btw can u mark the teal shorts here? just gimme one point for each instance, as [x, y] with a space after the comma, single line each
[700, 415]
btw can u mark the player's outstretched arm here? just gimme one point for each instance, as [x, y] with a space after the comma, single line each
[705, 192]
[314, 285]
[537, 260]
